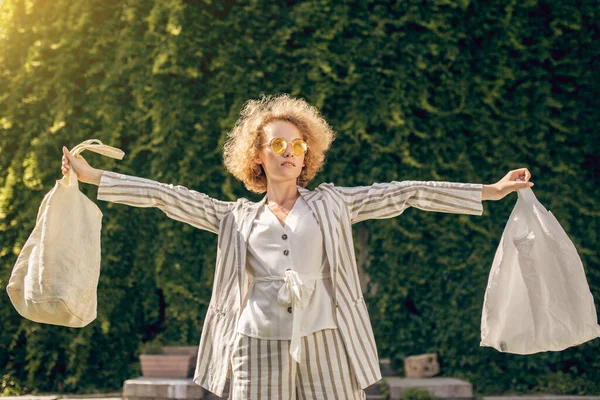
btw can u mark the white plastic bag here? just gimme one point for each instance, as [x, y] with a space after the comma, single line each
[55, 278]
[537, 298]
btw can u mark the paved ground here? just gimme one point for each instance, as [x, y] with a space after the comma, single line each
[98, 396]
[117, 396]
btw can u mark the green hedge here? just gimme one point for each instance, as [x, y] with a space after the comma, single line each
[417, 90]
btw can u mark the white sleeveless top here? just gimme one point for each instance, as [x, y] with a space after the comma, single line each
[291, 294]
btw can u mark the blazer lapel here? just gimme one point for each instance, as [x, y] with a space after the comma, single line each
[322, 211]
[241, 244]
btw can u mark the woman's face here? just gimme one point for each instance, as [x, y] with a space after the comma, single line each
[284, 167]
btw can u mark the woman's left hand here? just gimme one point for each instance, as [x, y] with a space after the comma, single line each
[508, 184]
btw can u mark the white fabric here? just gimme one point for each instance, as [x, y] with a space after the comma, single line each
[55, 278]
[301, 279]
[537, 298]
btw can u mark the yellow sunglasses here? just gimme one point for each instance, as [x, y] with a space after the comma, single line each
[279, 145]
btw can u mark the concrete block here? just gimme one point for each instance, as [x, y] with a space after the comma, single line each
[442, 388]
[162, 388]
[421, 366]
[168, 365]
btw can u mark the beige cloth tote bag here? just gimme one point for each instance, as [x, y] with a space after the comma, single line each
[55, 278]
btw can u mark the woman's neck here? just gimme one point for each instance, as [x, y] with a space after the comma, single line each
[282, 193]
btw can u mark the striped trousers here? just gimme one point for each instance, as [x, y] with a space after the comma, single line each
[264, 369]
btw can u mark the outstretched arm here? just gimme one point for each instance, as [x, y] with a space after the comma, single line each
[390, 199]
[178, 202]
[387, 200]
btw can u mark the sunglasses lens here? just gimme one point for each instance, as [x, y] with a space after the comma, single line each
[299, 147]
[279, 146]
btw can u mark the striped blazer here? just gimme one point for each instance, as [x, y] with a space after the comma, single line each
[336, 209]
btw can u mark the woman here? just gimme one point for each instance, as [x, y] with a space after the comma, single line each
[287, 316]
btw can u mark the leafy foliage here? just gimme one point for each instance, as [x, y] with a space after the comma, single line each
[422, 90]
[417, 394]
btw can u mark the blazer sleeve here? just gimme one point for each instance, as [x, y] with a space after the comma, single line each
[387, 200]
[178, 202]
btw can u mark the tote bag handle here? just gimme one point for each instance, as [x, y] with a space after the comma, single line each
[96, 146]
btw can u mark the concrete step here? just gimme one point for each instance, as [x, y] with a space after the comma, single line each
[442, 388]
[371, 395]
[185, 389]
[30, 397]
[162, 388]
[540, 397]
[95, 396]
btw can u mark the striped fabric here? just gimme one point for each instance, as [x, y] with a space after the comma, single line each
[264, 369]
[336, 209]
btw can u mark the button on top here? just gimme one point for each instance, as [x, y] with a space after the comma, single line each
[286, 252]
[284, 236]
[290, 310]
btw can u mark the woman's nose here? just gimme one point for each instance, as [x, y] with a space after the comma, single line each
[289, 152]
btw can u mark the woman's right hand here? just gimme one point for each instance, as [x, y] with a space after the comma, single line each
[85, 173]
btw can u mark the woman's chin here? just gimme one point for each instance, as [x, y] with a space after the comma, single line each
[284, 177]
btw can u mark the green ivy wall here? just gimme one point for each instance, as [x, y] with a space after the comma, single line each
[458, 91]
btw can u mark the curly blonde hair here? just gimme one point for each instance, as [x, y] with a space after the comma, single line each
[243, 141]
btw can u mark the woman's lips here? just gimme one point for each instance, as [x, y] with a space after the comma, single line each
[287, 164]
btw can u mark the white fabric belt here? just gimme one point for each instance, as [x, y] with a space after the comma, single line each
[295, 293]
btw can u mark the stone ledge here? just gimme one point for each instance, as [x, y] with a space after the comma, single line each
[540, 397]
[442, 388]
[94, 396]
[164, 388]
[29, 397]
[372, 394]
[83, 397]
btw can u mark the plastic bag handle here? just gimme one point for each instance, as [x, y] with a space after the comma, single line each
[526, 194]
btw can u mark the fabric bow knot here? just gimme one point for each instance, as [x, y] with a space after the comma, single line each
[295, 293]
